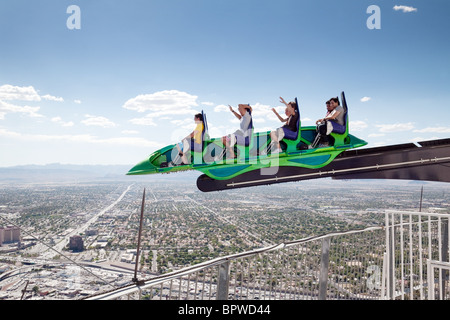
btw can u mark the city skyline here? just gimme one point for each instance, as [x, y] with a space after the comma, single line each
[128, 78]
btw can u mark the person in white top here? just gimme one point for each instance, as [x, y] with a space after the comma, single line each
[333, 121]
[243, 134]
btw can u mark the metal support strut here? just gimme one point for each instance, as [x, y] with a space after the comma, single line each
[135, 279]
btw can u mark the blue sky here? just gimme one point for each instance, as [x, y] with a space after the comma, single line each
[131, 78]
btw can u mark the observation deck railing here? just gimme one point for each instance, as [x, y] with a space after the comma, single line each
[386, 262]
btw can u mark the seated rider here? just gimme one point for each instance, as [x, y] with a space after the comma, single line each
[333, 121]
[290, 126]
[193, 141]
[243, 134]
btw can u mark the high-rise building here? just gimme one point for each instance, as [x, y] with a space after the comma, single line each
[76, 244]
[9, 234]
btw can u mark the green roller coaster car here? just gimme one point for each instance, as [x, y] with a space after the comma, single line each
[296, 152]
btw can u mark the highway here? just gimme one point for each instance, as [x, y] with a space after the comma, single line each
[47, 253]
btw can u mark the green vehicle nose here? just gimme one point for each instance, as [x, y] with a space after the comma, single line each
[143, 167]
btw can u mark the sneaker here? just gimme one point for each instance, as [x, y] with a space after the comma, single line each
[324, 145]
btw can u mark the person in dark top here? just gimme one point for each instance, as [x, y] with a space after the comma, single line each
[289, 126]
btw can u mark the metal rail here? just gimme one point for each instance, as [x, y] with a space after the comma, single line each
[416, 242]
[266, 273]
[333, 172]
[408, 258]
[427, 160]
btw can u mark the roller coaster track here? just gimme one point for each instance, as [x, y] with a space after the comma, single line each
[426, 161]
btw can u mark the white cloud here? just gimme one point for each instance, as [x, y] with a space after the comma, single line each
[306, 120]
[376, 135]
[129, 132]
[434, 130]
[77, 101]
[6, 108]
[9, 92]
[258, 120]
[163, 102]
[62, 123]
[406, 9]
[128, 141]
[217, 131]
[144, 121]
[221, 108]
[365, 99]
[161, 105]
[52, 98]
[397, 127]
[43, 137]
[81, 138]
[9, 134]
[187, 123]
[263, 110]
[98, 121]
[358, 125]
